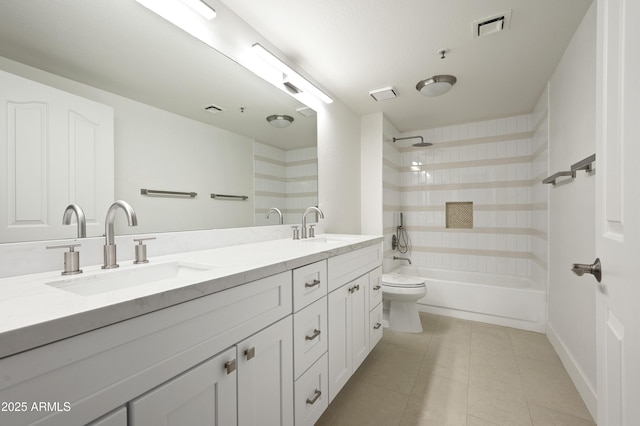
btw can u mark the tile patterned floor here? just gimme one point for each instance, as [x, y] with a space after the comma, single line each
[459, 372]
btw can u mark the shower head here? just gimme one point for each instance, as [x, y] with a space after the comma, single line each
[420, 144]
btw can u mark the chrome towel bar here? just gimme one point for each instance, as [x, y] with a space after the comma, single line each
[230, 197]
[161, 192]
[585, 164]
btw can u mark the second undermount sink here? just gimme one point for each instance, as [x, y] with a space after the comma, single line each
[112, 280]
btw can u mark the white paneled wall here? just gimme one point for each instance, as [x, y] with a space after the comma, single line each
[287, 180]
[496, 164]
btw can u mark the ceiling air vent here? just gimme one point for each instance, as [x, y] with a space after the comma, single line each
[492, 24]
[213, 109]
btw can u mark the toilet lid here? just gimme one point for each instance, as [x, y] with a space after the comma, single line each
[400, 280]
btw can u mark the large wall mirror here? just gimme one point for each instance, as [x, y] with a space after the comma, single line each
[186, 118]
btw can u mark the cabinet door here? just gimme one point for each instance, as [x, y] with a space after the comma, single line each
[309, 335]
[375, 326]
[340, 349]
[359, 320]
[375, 287]
[265, 376]
[206, 394]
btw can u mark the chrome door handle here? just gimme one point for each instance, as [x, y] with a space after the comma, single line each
[250, 353]
[312, 283]
[595, 269]
[316, 395]
[230, 366]
[315, 334]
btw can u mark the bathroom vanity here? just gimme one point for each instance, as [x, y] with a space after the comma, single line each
[260, 333]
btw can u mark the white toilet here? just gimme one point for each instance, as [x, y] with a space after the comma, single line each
[400, 294]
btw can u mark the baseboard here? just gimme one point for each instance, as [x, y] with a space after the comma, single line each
[585, 389]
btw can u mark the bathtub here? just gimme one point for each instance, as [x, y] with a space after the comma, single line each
[497, 299]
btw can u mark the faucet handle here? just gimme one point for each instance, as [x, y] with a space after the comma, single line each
[296, 232]
[312, 231]
[71, 259]
[141, 250]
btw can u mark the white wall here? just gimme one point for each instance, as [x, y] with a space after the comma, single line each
[371, 141]
[571, 324]
[339, 168]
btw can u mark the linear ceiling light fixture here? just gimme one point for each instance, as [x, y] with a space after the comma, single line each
[175, 10]
[290, 76]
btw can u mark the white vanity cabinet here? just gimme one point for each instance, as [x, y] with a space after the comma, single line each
[248, 384]
[349, 313]
[160, 352]
[115, 418]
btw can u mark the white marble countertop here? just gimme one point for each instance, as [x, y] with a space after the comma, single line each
[34, 312]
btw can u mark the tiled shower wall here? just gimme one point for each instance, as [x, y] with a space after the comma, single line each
[496, 164]
[287, 180]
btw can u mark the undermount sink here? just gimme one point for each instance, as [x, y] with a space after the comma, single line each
[106, 281]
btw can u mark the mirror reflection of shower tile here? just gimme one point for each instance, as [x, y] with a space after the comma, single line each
[459, 215]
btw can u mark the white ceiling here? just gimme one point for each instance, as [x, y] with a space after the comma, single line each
[354, 46]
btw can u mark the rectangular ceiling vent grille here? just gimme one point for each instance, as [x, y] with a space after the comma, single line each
[492, 24]
[213, 109]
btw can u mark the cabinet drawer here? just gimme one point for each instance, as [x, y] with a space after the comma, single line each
[349, 266]
[309, 284]
[375, 326]
[309, 335]
[311, 393]
[375, 287]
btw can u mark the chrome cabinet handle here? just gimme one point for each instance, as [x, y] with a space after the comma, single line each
[354, 288]
[595, 269]
[377, 288]
[316, 395]
[250, 353]
[230, 366]
[315, 334]
[312, 283]
[377, 326]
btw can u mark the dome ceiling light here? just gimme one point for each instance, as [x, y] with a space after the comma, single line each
[436, 85]
[280, 121]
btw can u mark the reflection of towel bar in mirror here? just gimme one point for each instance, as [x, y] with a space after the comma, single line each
[160, 192]
[230, 197]
[552, 179]
[585, 164]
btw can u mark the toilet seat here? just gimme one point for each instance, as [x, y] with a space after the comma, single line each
[399, 280]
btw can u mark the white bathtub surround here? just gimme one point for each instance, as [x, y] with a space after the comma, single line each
[287, 180]
[35, 312]
[493, 298]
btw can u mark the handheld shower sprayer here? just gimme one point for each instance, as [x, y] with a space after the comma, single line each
[400, 241]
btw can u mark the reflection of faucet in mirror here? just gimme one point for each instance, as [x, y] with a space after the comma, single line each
[110, 260]
[304, 219]
[82, 223]
[277, 210]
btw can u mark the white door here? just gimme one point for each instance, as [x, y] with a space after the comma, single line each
[618, 215]
[56, 148]
[204, 395]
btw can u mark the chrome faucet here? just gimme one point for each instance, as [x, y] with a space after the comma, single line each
[277, 210]
[304, 219]
[110, 259]
[82, 223]
[402, 258]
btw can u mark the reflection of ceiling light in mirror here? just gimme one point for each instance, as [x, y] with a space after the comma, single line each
[436, 85]
[280, 120]
[183, 15]
[291, 76]
[202, 8]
